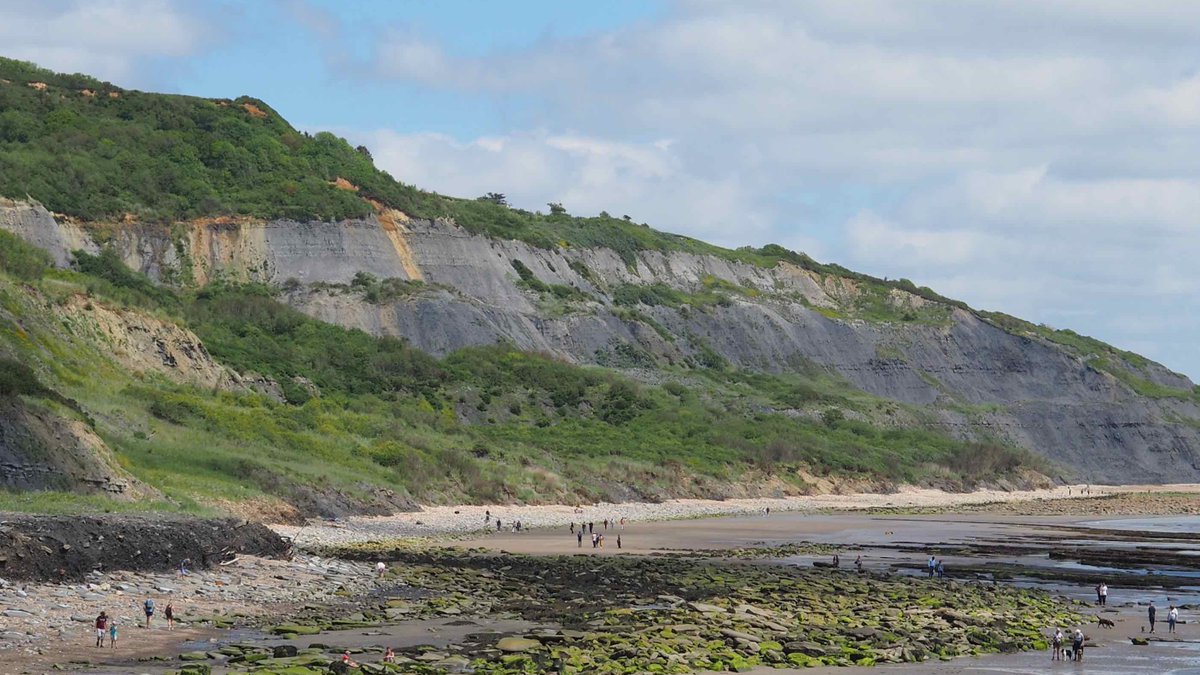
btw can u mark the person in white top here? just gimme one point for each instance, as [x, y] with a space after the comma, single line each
[1172, 617]
[1056, 645]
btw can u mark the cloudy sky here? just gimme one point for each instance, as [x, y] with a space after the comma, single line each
[1038, 158]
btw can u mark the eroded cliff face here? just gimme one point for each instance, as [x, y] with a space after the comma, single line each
[975, 379]
[42, 450]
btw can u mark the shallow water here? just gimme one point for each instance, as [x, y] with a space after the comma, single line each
[1176, 524]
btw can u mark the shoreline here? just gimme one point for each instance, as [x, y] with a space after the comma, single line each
[253, 591]
[452, 521]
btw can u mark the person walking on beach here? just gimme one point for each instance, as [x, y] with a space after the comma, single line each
[1150, 614]
[380, 568]
[932, 566]
[1172, 617]
[941, 569]
[1056, 645]
[112, 635]
[101, 627]
[858, 563]
[579, 537]
[572, 527]
[1101, 593]
[169, 613]
[497, 524]
[618, 541]
[148, 608]
[1077, 645]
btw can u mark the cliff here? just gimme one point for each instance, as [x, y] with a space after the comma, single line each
[1100, 414]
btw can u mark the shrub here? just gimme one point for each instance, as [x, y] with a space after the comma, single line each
[17, 379]
[21, 259]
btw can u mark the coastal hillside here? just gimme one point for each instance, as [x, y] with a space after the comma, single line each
[230, 310]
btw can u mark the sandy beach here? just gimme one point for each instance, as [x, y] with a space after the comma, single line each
[432, 521]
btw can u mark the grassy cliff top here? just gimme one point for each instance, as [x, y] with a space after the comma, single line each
[97, 152]
[94, 151]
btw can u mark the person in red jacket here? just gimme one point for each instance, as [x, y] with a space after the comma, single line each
[101, 628]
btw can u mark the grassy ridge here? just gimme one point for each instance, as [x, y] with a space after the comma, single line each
[94, 151]
[483, 424]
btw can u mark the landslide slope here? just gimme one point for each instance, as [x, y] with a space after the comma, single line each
[190, 191]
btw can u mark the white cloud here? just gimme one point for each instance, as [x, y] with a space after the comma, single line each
[874, 239]
[109, 39]
[587, 175]
[1033, 157]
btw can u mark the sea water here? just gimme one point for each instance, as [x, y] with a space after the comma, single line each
[1173, 524]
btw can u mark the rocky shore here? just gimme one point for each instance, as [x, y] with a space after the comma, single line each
[38, 619]
[621, 615]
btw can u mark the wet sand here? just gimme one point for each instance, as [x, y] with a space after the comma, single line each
[435, 521]
[851, 530]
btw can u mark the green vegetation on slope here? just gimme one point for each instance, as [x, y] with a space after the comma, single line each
[1128, 367]
[486, 423]
[92, 150]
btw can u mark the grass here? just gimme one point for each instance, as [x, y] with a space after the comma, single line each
[1121, 364]
[72, 503]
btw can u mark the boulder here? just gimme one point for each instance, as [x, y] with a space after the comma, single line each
[517, 644]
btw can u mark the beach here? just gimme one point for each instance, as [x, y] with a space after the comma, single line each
[982, 538]
[433, 521]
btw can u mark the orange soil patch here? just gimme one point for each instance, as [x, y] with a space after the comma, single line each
[392, 221]
[113, 94]
[88, 93]
[40, 86]
[343, 184]
[254, 110]
[222, 220]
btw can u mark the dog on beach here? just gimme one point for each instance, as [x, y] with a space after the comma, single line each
[1105, 623]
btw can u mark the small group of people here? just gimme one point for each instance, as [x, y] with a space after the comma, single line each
[106, 626]
[936, 567]
[597, 538]
[1058, 649]
[1172, 617]
[513, 526]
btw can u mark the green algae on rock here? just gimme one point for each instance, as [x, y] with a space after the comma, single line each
[620, 615]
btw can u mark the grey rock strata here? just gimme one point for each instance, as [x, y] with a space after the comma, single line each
[977, 380]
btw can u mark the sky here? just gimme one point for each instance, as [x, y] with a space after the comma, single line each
[1031, 157]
